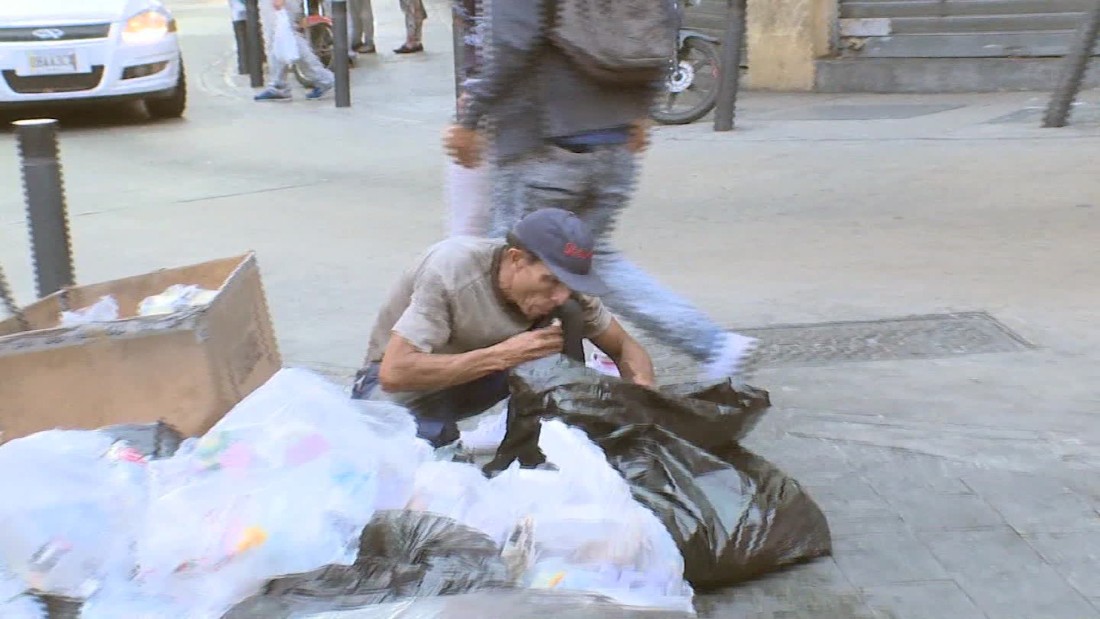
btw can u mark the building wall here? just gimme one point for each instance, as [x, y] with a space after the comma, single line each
[784, 38]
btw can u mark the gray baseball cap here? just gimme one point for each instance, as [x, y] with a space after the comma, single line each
[565, 244]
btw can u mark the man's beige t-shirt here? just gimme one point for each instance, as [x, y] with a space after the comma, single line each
[449, 303]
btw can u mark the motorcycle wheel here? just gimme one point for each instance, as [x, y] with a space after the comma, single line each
[692, 86]
[322, 41]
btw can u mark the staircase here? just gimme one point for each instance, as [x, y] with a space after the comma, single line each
[950, 45]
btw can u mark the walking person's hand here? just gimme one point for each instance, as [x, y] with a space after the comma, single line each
[532, 345]
[639, 136]
[463, 145]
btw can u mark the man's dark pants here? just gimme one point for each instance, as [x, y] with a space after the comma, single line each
[437, 414]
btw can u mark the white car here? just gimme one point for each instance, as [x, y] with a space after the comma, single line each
[54, 51]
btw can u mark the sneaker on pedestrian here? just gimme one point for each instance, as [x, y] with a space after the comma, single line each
[319, 91]
[271, 94]
[735, 358]
[366, 48]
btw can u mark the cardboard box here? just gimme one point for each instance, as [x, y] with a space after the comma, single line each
[188, 368]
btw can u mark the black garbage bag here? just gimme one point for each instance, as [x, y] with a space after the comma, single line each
[401, 555]
[153, 440]
[704, 414]
[732, 514]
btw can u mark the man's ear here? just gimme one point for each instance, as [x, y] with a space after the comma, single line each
[516, 255]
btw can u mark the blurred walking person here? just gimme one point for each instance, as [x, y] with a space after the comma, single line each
[415, 14]
[278, 89]
[567, 133]
[361, 26]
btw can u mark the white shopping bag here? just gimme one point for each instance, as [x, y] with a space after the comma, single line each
[468, 199]
[284, 44]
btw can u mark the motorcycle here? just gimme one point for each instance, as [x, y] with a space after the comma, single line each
[691, 90]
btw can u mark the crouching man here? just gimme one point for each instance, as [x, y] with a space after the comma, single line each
[469, 310]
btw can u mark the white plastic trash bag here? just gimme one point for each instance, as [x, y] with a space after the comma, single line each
[72, 510]
[489, 433]
[283, 484]
[22, 607]
[448, 489]
[284, 45]
[587, 531]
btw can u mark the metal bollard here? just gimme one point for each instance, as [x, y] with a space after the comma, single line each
[46, 212]
[728, 83]
[1073, 70]
[340, 52]
[240, 33]
[255, 48]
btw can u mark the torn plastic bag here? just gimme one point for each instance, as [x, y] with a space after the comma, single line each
[733, 515]
[72, 514]
[517, 604]
[401, 555]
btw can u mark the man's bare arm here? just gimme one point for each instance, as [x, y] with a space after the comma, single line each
[405, 368]
[634, 363]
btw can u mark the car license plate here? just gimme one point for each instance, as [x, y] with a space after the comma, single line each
[53, 62]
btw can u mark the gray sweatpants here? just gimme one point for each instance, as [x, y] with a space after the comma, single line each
[308, 63]
[597, 186]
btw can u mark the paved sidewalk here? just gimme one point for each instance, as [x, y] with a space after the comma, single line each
[956, 454]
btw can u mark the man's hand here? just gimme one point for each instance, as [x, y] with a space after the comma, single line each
[463, 145]
[531, 345]
[639, 136]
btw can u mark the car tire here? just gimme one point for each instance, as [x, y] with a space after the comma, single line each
[172, 106]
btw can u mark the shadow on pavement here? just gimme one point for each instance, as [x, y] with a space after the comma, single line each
[84, 117]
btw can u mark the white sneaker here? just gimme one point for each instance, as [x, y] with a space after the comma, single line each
[735, 357]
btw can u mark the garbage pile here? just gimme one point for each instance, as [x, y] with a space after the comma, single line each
[303, 503]
[174, 299]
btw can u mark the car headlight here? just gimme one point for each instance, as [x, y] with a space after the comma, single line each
[148, 27]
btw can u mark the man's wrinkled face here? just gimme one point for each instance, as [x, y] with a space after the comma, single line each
[535, 290]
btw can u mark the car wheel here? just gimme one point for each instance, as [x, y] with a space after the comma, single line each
[173, 105]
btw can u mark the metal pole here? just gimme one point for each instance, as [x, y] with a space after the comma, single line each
[340, 61]
[240, 33]
[731, 66]
[46, 212]
[255, 48]
[1073, 70]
